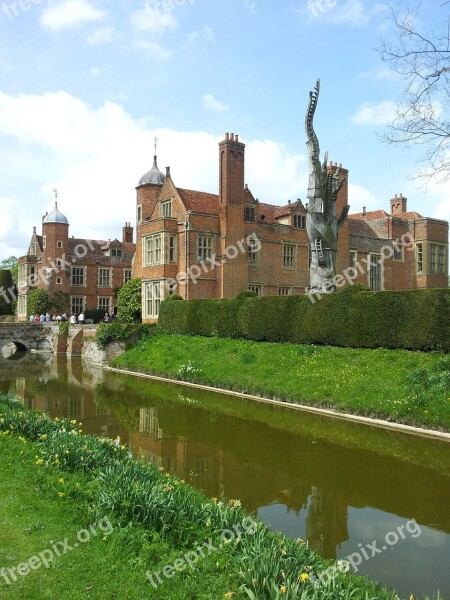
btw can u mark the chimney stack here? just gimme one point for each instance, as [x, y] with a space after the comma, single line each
[127, 233]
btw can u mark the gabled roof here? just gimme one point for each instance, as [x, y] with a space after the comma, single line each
[200, 201]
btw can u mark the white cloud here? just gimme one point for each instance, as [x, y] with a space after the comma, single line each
[70, 13]
[380, 74]
[103, 35]
[154, 50]
[206, 34]
[95, 157]
[95, 71]
[351, 12]
[375, 114]
[210, 103]
[358, 197]
[153, 20]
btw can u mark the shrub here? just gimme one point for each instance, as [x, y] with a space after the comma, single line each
[95, 314]
[175, 297]
[122, 332]
[37, 303]
[413, 319]
[6, 283]
[247, 294]
[129, 302]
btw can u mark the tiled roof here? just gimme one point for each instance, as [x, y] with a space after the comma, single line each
[409, 216]
[268, 210]
[96, 248]
[374, 214]
[200, 201]
[282, 211]
[360, 228]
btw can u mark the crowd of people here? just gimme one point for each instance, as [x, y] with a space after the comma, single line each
[73, 319]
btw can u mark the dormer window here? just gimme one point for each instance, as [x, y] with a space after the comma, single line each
[33, 249]
[299, 221]
[166, 208]
[249, 213]
[116, 252]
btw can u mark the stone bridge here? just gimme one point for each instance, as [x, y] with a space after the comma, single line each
[42, 337]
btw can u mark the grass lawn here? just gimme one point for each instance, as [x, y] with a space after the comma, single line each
[407, 387]
[61, 488]
[110, 565]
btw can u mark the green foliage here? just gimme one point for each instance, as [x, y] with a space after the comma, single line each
[175, 297]
[7, 297]
[247, 294]
[64, 328]
[129, 301]
[354, 317]
[116, 331]
[96, 314]
[11, 264]
[38, 302]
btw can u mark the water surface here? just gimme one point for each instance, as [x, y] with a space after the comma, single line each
[341, 486]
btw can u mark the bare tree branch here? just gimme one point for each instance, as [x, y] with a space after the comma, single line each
[422, 59]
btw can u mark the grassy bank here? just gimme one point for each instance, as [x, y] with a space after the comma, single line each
[398, 385]
[57, 482]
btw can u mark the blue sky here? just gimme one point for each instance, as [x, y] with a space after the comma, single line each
[85, 85]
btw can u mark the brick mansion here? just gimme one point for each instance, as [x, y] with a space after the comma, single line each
[203, 245]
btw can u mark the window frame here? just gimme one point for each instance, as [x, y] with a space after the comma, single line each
[378, 276]
[289, 258]
[257, 288]
[100, 277]
[249, 213]
[204, 251]
[83, 276]
[73, 304]
[165, 209]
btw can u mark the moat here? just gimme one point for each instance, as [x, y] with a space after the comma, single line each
[339, 485]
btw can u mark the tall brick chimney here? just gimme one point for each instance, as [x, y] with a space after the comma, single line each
[127, 233]
[231, 169]
[398, 204]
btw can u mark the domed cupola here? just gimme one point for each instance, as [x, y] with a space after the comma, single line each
[153, 176]
[55, 216]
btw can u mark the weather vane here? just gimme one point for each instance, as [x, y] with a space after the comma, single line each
[156, 143]
[55, 191]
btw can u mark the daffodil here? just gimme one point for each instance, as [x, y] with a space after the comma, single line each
[304, 577]
[283, 589]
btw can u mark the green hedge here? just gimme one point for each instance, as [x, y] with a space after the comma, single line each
[414, 319]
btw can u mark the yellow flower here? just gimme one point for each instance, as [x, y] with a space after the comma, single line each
[60, 494]
[22, 439]
[283, 589]
[304, 577]
[60, 480]
[283, 552]
[229, 595]
[39, 461]
[43, 436]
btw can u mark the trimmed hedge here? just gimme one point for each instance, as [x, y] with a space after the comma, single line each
[413, 319]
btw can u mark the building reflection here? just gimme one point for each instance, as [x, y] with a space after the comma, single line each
[215, 470]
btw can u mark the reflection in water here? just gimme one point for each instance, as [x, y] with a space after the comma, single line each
[336, 484]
